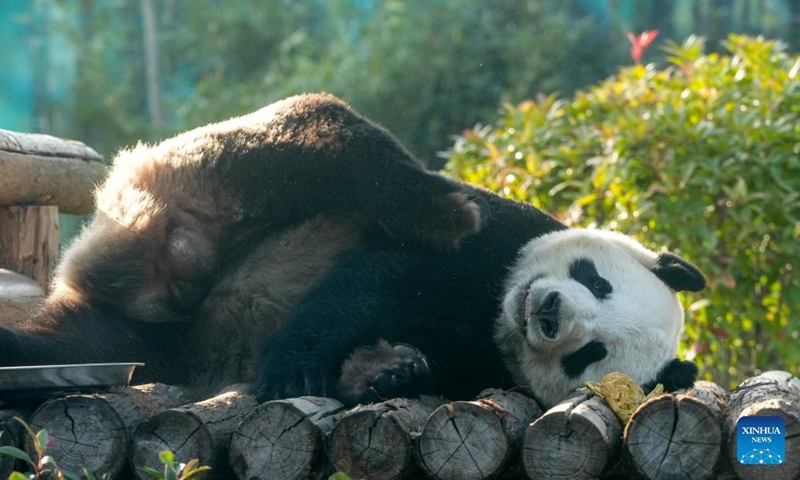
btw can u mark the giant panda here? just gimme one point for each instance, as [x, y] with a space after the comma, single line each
[200, 244]
[303, 248]
[524, 301]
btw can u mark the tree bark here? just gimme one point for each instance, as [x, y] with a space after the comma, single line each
[467, 440]
[678, 436]
[44, 170]
[93, 431]
[769, 394]
[376, 441]
[151, 63]
[576, 439]
[29, 241]
[200, 430]
[284, 439]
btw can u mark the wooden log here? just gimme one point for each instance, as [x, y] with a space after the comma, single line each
[284, 439]
[770, 394]
[575, 439]
[678, 436]
[475, 439]
[783, 377]
[200, 430]
[375, 441]
[12, 434]
[94, 431]
[44, 170]
[7, 463]
[20, 297]
[29, 241]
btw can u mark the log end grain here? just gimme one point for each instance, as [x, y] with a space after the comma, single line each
[179, 432]
[7, 463]
[200, 430]
[463, 440]
[283, 439]
[669, 436]
[375, 441]
[765, 395]
[370, 444]
[86, 432]
[573, 440]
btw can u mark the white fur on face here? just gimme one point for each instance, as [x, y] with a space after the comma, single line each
[639, 321]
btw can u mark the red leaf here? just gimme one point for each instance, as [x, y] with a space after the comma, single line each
[640, 43]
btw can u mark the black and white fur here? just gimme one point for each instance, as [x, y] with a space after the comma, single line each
[583, 303]
[303, 248]
[602, 303]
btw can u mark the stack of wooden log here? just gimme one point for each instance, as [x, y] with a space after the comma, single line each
[40, 176]
[503, 434]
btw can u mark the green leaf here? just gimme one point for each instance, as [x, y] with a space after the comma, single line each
[192, 473]
[72, 476]
[166, 457]
[339, 476]
[20, 476]
[42, 437]
[16, 453]
[153, 473]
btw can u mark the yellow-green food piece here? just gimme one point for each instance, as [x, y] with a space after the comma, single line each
[622, 394]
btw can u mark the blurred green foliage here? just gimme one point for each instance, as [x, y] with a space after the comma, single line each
[703, 157]
[425, 70]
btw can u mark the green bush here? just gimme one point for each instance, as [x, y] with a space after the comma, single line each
[702, 157]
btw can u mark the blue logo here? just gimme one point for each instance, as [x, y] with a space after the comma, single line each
[761, 440]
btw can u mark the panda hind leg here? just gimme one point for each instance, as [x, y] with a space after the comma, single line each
[381, 371]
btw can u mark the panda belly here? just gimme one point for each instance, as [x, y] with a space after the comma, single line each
[251, 300]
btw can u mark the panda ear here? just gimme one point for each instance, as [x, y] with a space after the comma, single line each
[678, 274]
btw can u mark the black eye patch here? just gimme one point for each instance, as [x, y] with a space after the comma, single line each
[584, 272]
[576, 362]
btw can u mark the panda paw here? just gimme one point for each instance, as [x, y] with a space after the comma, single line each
[443, 222]
[383, 371]
[676, 375]
[410, 377]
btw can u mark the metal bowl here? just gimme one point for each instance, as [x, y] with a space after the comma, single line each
[38, 380]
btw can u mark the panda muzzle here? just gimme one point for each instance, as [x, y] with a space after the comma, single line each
[548, 314]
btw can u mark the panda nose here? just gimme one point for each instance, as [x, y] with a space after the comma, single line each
[547, 314]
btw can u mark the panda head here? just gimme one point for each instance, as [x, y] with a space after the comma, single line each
[582, 303]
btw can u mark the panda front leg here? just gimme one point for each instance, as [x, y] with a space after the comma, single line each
[343, 340]
[370, 373]
[64, 332]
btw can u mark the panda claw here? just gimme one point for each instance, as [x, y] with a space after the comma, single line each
[410, 376]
